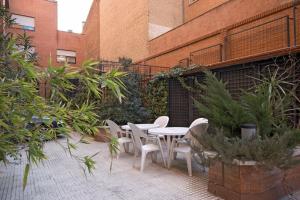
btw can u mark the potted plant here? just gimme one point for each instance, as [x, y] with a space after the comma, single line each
[260, 166]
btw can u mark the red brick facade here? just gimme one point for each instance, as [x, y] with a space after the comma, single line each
[46, 38]
[212, 31]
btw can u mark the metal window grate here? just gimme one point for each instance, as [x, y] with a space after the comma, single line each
[206, 56]
[259, 39]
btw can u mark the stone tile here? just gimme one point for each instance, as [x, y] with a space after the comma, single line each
[61, 178]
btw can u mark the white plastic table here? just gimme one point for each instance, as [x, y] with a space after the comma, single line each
[143, 127]
[169, 132]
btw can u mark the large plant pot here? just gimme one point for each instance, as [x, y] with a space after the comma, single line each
[102, 135]
[245, 181]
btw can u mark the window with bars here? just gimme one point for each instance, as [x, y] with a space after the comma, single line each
[64, 56]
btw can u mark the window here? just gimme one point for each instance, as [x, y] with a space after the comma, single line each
[64, 56]
[23, 22]
[192, 1]
[29, 52]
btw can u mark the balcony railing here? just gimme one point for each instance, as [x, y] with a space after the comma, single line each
[265, 37]
[259, 39]
[209, 55]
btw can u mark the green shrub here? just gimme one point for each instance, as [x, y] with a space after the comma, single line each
[131, 109]
[268, 105]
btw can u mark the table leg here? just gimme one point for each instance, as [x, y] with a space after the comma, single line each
[168, 146]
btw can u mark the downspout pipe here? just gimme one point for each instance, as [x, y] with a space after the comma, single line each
[295, 22]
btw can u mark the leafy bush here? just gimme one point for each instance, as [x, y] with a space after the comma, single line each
[20, 102]
[157, 91]
[268, 105]
[131, 109]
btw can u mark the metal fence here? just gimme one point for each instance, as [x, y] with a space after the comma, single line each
[146, 71]
[265, 37]
[261, 38]
[209, 55]
[182, 110]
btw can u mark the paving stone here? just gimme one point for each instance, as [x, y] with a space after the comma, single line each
[61, 178]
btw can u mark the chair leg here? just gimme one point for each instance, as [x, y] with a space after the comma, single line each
[188, 157]
[143, 159]
[135, 157]
[125, 147]
[162, 153]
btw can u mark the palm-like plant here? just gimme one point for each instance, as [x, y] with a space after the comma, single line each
[20, 102]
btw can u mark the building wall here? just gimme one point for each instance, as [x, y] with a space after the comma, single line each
[164, 16]
[181, 41]
[45, 36]
[123, 29]
[199, 7]
[71, 42]
[91, 32]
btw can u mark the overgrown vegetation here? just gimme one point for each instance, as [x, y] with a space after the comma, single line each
[131, 109]
[20, 102]
[156, 92]
[270, 104]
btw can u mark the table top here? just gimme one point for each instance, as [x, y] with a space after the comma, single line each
[172, 131]
[141, 126]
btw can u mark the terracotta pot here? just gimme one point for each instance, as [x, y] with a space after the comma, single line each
[102, 135]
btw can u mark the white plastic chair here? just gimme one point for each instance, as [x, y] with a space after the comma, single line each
[181, 145]
[117, 132]
[138, 134]
[162, 121]
[198, 121]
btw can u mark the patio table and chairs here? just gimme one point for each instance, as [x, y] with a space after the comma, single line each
[174, 135]
[146, 138]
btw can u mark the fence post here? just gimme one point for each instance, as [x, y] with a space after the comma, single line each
[288, 31]
[295, 23]
[224, 46]
[191, 104]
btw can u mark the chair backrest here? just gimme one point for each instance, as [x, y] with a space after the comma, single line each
[198, 121]
[114, 128]
[198, 129]
[137, 135]
[162, 121]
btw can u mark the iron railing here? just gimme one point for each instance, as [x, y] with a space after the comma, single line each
[262, 38]
[265, 37]
[208, 55]
[146, 71]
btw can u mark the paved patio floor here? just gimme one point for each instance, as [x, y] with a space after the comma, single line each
[60, 177]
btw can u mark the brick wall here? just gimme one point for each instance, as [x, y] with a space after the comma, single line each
[229, 18]
[45, 38]
[199, 7]
[91, 32]
[71, 42]
[164, 16]
[124, 29]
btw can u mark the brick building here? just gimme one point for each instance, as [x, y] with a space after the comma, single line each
[206, 32]
[38, 18]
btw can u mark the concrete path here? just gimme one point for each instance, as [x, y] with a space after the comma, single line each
[61, 178]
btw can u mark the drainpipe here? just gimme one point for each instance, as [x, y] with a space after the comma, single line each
[295, 22]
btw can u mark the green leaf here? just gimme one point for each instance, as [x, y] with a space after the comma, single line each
[25, 176]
